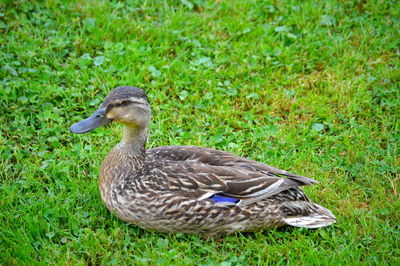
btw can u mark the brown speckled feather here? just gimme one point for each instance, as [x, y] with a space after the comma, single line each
[212, 171]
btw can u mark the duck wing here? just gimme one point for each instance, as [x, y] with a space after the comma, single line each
[203, 173]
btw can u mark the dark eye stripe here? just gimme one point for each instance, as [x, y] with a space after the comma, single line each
[119, 104]
[112, 105]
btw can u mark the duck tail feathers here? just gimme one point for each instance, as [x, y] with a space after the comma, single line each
[317, 217]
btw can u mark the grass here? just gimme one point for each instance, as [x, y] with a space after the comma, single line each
[307, 86]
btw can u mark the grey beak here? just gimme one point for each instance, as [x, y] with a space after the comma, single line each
[97, 119]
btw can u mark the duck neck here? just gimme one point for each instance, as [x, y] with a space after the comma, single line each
[134, 139]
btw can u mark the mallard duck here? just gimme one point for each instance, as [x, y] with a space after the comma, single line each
[192, 189]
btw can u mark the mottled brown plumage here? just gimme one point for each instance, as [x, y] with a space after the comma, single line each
[192, 189]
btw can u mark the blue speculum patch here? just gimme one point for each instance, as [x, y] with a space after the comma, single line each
[218, 198]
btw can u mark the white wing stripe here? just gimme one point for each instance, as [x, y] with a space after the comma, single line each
[267, 190]
[207, 195]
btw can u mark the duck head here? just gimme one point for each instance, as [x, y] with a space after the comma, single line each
[127, 105]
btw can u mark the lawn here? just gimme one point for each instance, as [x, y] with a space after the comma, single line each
[307, 86]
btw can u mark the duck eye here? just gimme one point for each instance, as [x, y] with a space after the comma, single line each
[112, 105]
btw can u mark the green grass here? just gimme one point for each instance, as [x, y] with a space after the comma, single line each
[307, 86]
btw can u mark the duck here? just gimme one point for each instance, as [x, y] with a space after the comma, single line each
[191, 189]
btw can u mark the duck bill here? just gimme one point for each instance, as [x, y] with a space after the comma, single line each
[97, 119]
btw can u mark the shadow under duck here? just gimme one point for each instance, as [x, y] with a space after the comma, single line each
[192, 189]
